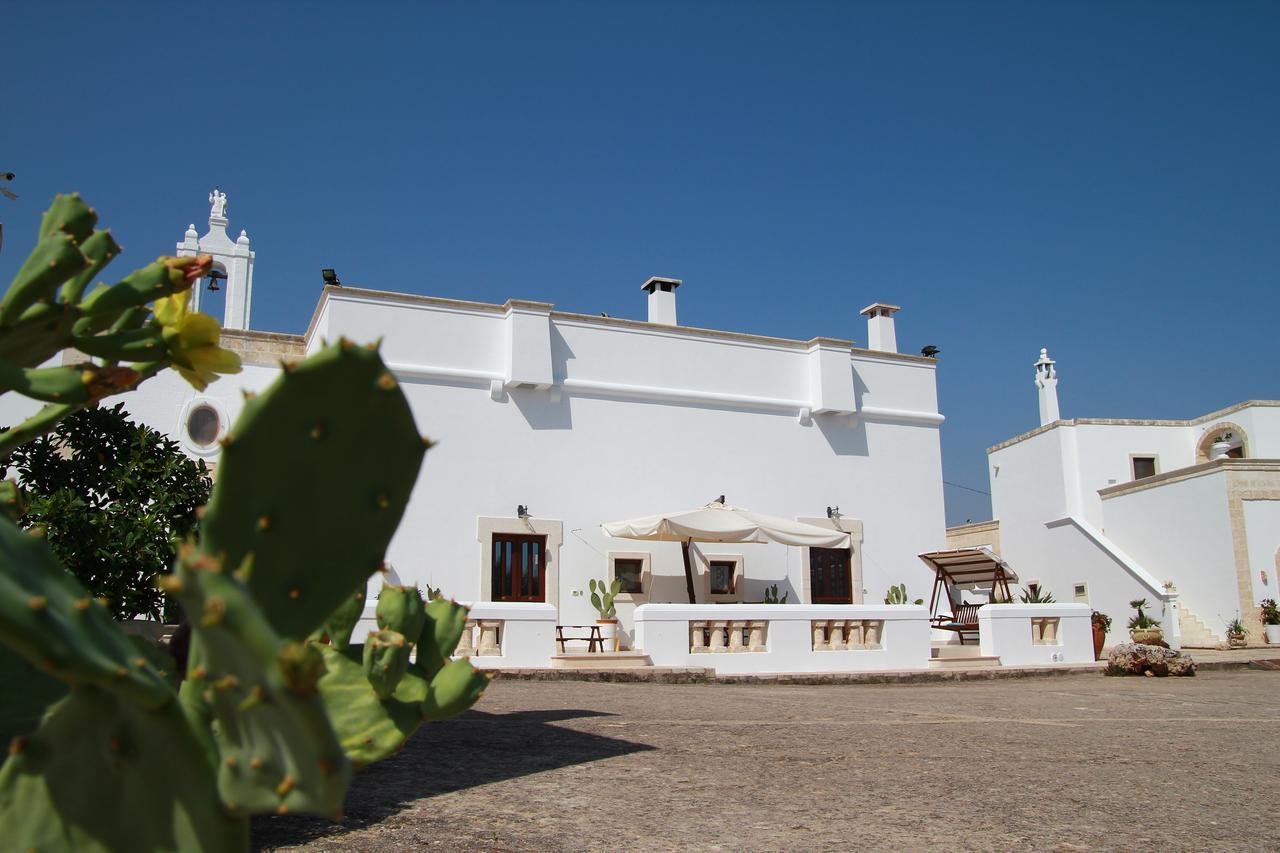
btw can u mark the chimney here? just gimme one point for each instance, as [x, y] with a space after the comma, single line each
[662, 299]
[880, 333]
[1047, 383]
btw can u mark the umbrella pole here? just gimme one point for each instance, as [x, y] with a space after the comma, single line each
[688, 570]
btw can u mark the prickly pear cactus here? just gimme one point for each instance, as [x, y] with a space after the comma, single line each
[277, 705]
[373, 712]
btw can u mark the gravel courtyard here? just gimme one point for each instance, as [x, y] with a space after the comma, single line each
[1067, 763]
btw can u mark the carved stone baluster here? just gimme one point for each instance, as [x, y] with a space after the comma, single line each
[735, 637]
[717, 636]
[1037, 632]
[465, 648]
[872, 630]
[1051, 631]
[489, 641]
[697, 637]
[835, 636]
[757, 635]
[819, 635]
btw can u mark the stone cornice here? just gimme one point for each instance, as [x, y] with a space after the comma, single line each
[1150, 422]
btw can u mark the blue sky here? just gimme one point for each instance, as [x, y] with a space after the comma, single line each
[1101, 179]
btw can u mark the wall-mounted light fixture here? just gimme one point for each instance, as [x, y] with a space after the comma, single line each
[522, 511]
[719, 500]
[833, 512]
[330, 277]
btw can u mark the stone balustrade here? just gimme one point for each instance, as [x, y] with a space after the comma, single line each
[757, 638]
[833, 635]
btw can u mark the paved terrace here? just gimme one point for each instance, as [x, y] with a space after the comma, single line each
[1074, 762]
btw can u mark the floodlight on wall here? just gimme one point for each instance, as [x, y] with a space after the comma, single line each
[330, 277]
[833, 512]
[522, 511]
[215, 275]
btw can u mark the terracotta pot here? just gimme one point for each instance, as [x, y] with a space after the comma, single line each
[1099, 640]
[1237, 641]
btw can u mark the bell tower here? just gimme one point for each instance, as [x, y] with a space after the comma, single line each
[232, 262]
[1047, 384]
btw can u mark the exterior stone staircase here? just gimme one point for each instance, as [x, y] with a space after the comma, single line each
[1195, 634]
[955, 656]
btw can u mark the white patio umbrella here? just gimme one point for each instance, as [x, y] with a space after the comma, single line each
[720, 522]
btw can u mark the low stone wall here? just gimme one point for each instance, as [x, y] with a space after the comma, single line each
[498, 634]
[1036, 634]
[783, 638]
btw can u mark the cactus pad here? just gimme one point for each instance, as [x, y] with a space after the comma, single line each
[400, 609]
[277, 751]
[49, 618]
[331, 447]
[102, 773]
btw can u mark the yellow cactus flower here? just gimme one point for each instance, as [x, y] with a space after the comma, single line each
[192, 339]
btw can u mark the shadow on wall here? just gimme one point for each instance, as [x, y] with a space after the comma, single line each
[473, 749]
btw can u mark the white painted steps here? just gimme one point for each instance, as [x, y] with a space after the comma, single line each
[600, 660]
[956, 656]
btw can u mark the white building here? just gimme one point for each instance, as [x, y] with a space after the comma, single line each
[584, 419]
[1184, 513]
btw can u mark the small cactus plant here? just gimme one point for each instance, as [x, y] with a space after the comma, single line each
[897, 594]
[278, 706]
[602, 597]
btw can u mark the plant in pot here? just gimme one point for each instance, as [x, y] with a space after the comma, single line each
[1237, 637]
[602, 598]
[1036, 595]
[1271, 620]
[1222, 445]
[898, 595]
[1101, 627]
[1142, 628]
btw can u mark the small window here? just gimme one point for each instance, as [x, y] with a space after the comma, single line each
[629, 570]
[1143, 467]
[1081, 593]
[722, 572]
[203, 425]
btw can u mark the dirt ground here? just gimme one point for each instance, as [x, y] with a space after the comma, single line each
[1070, 763]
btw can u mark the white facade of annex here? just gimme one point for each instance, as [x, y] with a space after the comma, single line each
[1146, 509]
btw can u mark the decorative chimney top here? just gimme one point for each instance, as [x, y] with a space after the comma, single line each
[662, 299]
[657, 282]
[881, 335]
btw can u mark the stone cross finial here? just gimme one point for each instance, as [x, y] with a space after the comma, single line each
[219, 202]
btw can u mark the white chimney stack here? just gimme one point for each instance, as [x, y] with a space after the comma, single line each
[880, 333]
[1047, 384]
[662, 299]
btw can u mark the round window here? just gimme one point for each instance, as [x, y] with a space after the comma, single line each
[202, 425]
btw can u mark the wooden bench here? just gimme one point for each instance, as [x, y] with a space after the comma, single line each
[964, 617]
[595, 642]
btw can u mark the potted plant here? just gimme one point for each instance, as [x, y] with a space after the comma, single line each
[1142, 628]
[1221, 446]
[1101, 627]
[1237, 638]
[898, 595]
[1036, 595]
[602, 598]
[1271, 620]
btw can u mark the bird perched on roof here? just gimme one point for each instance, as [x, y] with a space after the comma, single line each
[930, 351]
